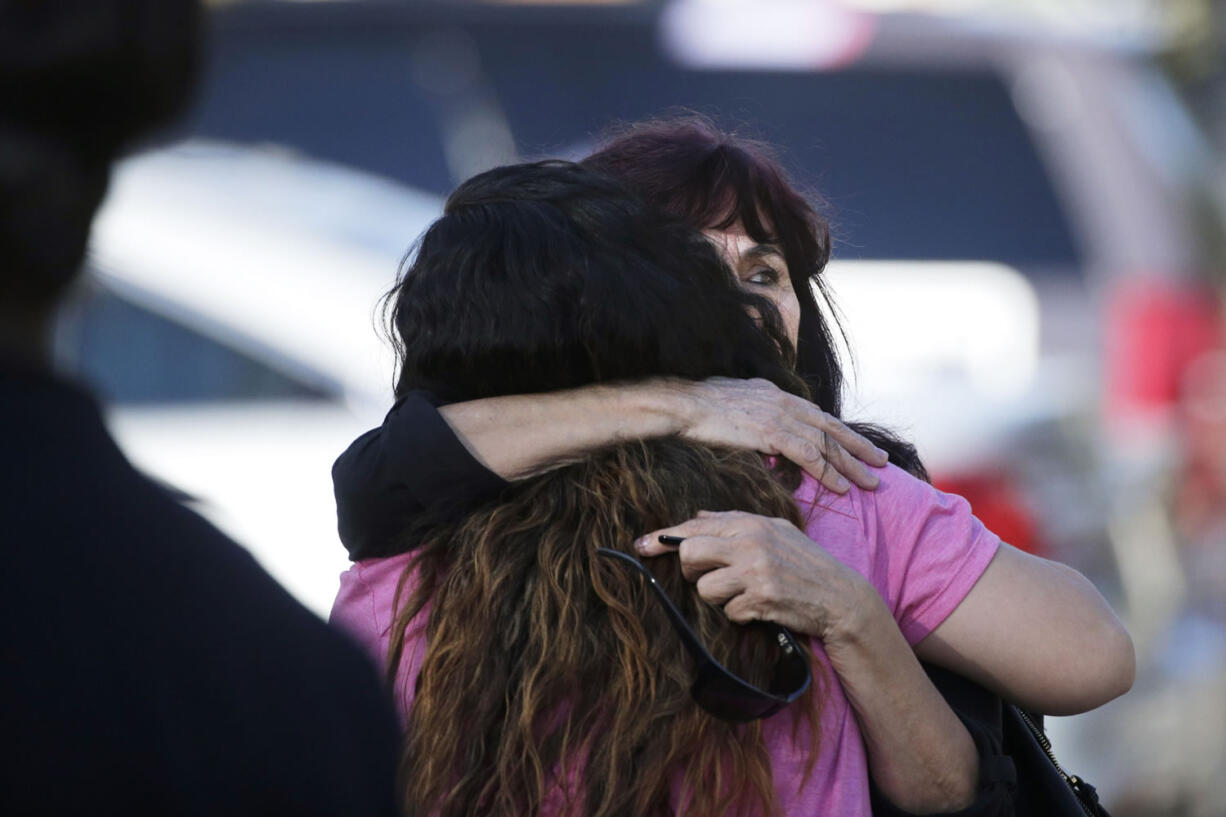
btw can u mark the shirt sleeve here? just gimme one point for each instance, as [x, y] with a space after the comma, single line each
[411, 466]
[930, 551]
[354, 612]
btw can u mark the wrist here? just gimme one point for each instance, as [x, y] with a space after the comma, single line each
[658, 407]
[857, 618]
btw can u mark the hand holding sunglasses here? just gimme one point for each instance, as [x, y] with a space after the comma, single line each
[763, 569]
[716, 688]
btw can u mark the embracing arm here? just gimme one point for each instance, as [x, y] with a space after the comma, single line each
[1033, 631]
[1039, 634]
[517, 436]
[444, 461]
[920, 755]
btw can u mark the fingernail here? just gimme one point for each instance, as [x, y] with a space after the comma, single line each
[641, 543]
[842, 484]
[883, 454]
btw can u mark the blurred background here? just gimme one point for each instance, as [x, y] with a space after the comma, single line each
[1029, 207]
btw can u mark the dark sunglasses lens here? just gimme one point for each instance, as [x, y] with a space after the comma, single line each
[792, 673]
[728, 698]
[716, 689]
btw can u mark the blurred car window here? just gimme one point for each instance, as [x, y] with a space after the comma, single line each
[133, 355]
[330, 120]
[933, 165]
[928, 163]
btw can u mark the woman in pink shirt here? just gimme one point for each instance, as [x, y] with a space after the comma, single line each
[520, 703]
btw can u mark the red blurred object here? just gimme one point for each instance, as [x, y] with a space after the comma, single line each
[998, 505]
[1155, 329]
[1200, 491]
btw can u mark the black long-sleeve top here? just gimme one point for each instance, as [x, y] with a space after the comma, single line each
[390, 476]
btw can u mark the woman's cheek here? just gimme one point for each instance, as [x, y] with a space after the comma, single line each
[789, 310]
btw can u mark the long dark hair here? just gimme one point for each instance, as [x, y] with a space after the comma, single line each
[574, 281]
[712, 179]
[551, 678]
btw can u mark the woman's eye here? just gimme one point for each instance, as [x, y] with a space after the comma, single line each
[764, 276]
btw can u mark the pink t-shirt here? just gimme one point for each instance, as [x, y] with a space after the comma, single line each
[921, 549]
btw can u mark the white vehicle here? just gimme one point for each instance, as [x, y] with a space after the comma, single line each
[227, 320]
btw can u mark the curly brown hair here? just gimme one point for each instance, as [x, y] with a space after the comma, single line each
[551, 680]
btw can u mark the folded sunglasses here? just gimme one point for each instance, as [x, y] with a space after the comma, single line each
[716, 688]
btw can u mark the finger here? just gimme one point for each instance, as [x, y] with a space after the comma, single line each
[702, 554]
[721, 523]
[829, 463]
[718, 586]
[848, 466]
[729, 516]
[650, 545]
[805, 453]
[855, 443]
[744, 608]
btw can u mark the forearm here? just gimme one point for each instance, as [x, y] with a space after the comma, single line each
[516, 436]
[1038, 634]
[1084, 668]
[920, 755]
[429, 460]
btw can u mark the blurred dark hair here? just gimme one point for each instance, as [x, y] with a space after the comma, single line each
[712, 179]
[80, 80]
[548, 276]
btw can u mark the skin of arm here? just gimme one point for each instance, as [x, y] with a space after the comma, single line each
[1037, 633]
[1034, 631]
[516, 436]
[920, 755]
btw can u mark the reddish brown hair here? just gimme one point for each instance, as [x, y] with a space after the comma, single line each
[546, 664]
[712, 179]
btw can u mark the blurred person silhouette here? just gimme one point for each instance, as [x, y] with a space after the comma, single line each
[149, 664]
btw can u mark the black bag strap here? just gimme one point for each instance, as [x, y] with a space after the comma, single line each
[1024, 734]
[1019, 775]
